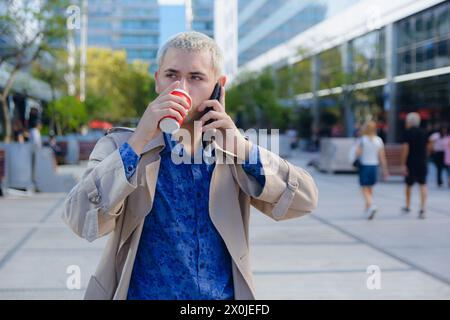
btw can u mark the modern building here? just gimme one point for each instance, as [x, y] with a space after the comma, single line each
[133, 25]
[141, 26]
[226, 34]
[265, 24]
[217, 19]
[374, 60]
[202, 16]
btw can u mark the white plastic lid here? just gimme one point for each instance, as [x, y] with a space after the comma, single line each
[169, 125]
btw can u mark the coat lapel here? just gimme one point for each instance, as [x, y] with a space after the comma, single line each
[225, 211]
[140, 201]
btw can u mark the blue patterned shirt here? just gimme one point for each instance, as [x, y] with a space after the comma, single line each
[181, 255]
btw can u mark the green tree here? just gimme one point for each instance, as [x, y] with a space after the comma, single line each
[69, 114]
[30, 29]
[254, 98]
[116, 89]
[52, 72]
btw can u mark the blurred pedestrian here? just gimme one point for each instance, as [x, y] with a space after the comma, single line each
[370, 151]
[18, 131]
[437, 141]
[446, 144]
[35, 133]
[414, 161]
[293, 140]
[57, 150]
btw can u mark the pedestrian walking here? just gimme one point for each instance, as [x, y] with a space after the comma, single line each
[446, 144]
[438, 142]
[414, 161]
[371, 154]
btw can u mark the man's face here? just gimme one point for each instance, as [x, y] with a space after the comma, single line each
[195, 72]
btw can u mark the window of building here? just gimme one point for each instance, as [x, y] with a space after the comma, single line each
[331, 74]
[368, 56]
[138, 39]
[423, 40]
[133, 54]
[139, 24]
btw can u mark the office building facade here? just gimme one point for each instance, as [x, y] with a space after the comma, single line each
[371, 61]
[132, 25]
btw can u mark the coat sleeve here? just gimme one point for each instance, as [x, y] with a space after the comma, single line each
[289, 191]
[93, 205]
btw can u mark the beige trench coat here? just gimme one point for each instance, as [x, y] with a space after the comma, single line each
[105, 202]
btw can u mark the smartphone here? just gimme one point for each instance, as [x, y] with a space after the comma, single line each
[214, 96]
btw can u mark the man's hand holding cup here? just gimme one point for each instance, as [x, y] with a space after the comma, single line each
[165, 105]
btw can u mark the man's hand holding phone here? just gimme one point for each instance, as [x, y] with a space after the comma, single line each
[217, 118]
[166, 104]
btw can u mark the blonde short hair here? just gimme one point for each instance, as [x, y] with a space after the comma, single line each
[192, 41]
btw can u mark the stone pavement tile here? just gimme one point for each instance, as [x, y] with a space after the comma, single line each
[61, 237]
[3, 252]
[9, 237]
[32, 209]
[258, 218]
[397, 284]
[409, 232]
[431, 258]
[330, 258]
[46, 268]
[41, 294]
[22, 213]
[286, 234]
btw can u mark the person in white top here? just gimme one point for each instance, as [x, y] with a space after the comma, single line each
[35, 136]
[370, 151]
[438, 143]
[446, 143]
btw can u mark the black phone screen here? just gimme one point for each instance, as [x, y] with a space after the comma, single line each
[214, 96]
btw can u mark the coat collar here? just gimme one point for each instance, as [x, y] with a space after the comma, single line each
[160, 141]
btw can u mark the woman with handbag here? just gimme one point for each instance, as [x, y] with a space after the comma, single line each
[370, 154]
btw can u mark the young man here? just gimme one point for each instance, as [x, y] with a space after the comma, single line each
[180, 230]
[414, 161]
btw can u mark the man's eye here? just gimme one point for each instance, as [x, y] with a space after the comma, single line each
[197, 78]
[170, 75]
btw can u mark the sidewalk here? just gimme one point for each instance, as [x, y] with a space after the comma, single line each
[320, 256]
[326, 255]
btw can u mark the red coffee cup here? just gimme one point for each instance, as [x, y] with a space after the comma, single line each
[170, 124]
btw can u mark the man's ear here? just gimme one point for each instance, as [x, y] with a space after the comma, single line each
[223, 80]
[156, 83]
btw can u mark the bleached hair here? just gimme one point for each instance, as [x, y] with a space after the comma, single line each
[192, 41]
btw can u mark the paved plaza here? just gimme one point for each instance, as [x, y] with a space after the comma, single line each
[321, 256]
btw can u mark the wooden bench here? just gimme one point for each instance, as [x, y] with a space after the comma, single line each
[393, 158]
[2, 169]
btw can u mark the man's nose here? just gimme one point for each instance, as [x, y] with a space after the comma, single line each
[184, 84]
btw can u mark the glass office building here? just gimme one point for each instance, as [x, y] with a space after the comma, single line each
[132, 25]
[362, 66]
[203, 16]
[141, 26]
[265, 24]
